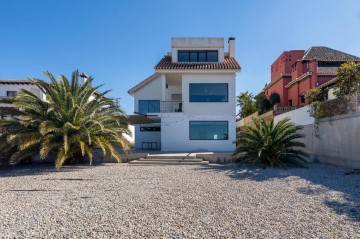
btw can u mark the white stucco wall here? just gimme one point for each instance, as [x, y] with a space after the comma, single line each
[175, 133]
[152, 91]
[17, 87]
[299, 116]
[130, 137]
[209, 108]
[197, 44]
[173, 89]
[147, 136]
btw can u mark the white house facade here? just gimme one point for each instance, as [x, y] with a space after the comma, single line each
[190, 98]
[10, 88]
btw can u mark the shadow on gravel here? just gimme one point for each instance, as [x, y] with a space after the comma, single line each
[323, 178]
[36, 169]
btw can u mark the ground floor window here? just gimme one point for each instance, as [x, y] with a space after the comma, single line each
[208, 130]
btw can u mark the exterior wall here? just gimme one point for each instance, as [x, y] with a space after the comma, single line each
[175, 133]
[32, 88]
[197, 44]
[299, 116]
[172, 89]
[323, 79]
[152, 91]
[209, 108]
[279, 87]
[130, 137]
[334, 140]
[304, 86]
[293, 94]
[147, 136]
[337, 141]
[283, 63]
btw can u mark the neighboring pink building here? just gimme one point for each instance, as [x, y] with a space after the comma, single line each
[295, 72]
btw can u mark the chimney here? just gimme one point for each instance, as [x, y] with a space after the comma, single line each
[231, 43]
[84, 78]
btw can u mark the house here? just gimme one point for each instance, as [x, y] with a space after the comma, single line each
[295, 72]
[10, 88]
[190, 98]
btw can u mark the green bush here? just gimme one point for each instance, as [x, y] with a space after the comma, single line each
[270, 144]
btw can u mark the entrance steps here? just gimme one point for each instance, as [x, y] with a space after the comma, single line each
[170, 159]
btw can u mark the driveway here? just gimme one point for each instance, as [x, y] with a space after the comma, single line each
[125, 201]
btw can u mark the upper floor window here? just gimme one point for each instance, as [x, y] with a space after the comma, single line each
[198, 56]
[149, 106]
[208, 92]
[11, 93]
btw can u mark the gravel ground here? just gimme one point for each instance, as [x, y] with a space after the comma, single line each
[124, 201]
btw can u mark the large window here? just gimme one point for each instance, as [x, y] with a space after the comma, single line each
[149, 106]
[208, 92]
[208, 130]
[198, 56]
[11, 93]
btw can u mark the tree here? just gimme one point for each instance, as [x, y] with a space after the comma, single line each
[70, 124]
[247, 105]
[348, 79]
[274, 98]
[270, 144]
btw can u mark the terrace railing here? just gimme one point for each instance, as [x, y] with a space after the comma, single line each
[283, 109]
[171, 106]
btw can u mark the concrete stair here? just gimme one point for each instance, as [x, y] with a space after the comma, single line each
[167, 159]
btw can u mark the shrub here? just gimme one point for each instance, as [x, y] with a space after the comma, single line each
[270, 144]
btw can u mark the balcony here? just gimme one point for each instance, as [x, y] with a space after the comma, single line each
[171, 106]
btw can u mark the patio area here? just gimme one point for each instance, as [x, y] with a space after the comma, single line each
[223, 201]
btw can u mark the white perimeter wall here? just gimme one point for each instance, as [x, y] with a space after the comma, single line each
[175, 133]
[299, 116]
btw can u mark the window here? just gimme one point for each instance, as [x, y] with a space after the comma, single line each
[208, 92]
[208, 130]
[150, 129]
[149, 106]
[198, 56]
[11, 93]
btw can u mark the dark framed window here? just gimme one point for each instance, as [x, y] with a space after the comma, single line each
[208, 92]
[149, 106]
[11, 93]
[198, 56]
[208, 130]
[150, 129]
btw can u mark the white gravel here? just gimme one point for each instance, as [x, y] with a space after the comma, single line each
[124, 201]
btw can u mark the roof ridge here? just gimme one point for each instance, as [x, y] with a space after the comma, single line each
[143, 83]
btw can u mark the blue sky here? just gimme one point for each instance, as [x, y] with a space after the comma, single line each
[119, 42]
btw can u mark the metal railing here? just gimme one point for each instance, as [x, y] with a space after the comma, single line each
[171, 106]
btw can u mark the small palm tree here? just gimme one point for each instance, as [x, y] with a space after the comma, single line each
[270, 144]
[74, 121]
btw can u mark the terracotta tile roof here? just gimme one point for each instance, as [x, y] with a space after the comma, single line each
[282, 75]
[137, 119]
[143, 83]
[328, 83]
[14, 82]
[327, 70]
[322, 53]
[302, 77]
[228, 64]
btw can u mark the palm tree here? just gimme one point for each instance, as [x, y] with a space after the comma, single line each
[270, 144]
[246, 104]
[73, 122]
